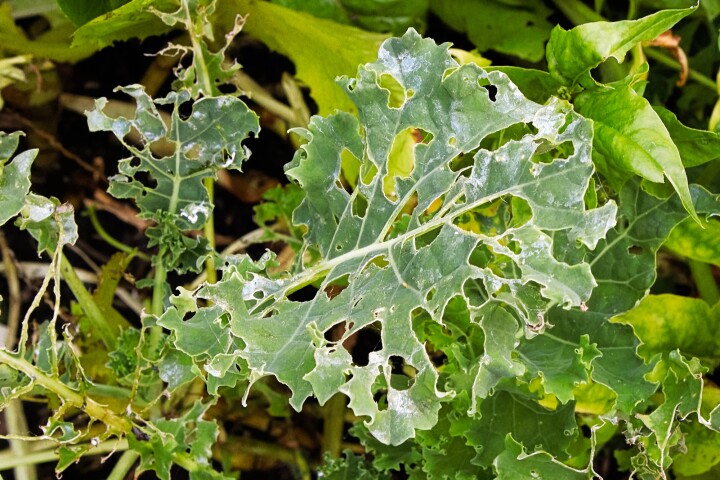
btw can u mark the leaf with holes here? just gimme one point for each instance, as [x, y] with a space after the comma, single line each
[408, 245]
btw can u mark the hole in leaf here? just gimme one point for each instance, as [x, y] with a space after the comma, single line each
[448, 72]
[396, 97]
[430, 295]
[402, 375]
[492, 91]
[350, 167]
[193, 151]
[359, 205]
[401, 159]
[367, 340]
[545, 152]
[635, 250]
[452, 141]
[303, 295]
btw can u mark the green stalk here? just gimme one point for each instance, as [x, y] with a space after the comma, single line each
[109, 239]
[333, 413]
[704, 281]
[107, 331]
[9, 460]
[123, 465]
[116, 423]
[579, 13]
[209, 230]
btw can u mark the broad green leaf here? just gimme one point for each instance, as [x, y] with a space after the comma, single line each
[632, 137]
[536, 85]
[696, 147]
[571, 54]
[392, 276]
[132, 20]
[664, 323]
[519, 30]
[14, 176]
[702, 451]
[80, 12]
[393, 16]
[624, 268]
[560, 365]
[321, 49]
[514, 463]
[534, 426]
[10, 72]
[697, 242]
[53, 44]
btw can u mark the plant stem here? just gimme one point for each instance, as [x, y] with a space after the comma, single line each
[579, 13]
[209, 230]
[123, 465]
[333, 412]
[109, 239]
[118, 424]
[9, 460]
[108, 332]
[704, 281]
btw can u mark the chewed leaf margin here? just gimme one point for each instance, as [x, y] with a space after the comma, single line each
[408, 250]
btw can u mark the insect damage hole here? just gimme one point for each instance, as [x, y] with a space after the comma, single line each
[402, 374]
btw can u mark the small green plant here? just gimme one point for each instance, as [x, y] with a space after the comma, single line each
[495, 230]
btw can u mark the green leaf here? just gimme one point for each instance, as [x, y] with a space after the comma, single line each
[208, 139]
[702, 451]
[534, 426]
[696, 147]
[698, 242]
[320, 49]
[506, 27]
[665, 323]
[50, 223]
[624, 268]
[632, 137]
[349, 467]
[187, 438]
[536, 85]
[571, 54]
[514, 463]
[132, 20]
[80, 12]
[390, 275]
[393, 16]
[14, 177]
[204, 143]
[53, 44]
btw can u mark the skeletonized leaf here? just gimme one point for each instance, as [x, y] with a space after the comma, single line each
[407, 250]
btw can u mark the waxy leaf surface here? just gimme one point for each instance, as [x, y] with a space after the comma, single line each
[404, 248]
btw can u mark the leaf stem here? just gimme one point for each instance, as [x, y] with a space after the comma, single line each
[9, 460]
[109, 239]
[209, 230]
[704, 281]
[333, 413]
[123, 465]
[118, 424]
